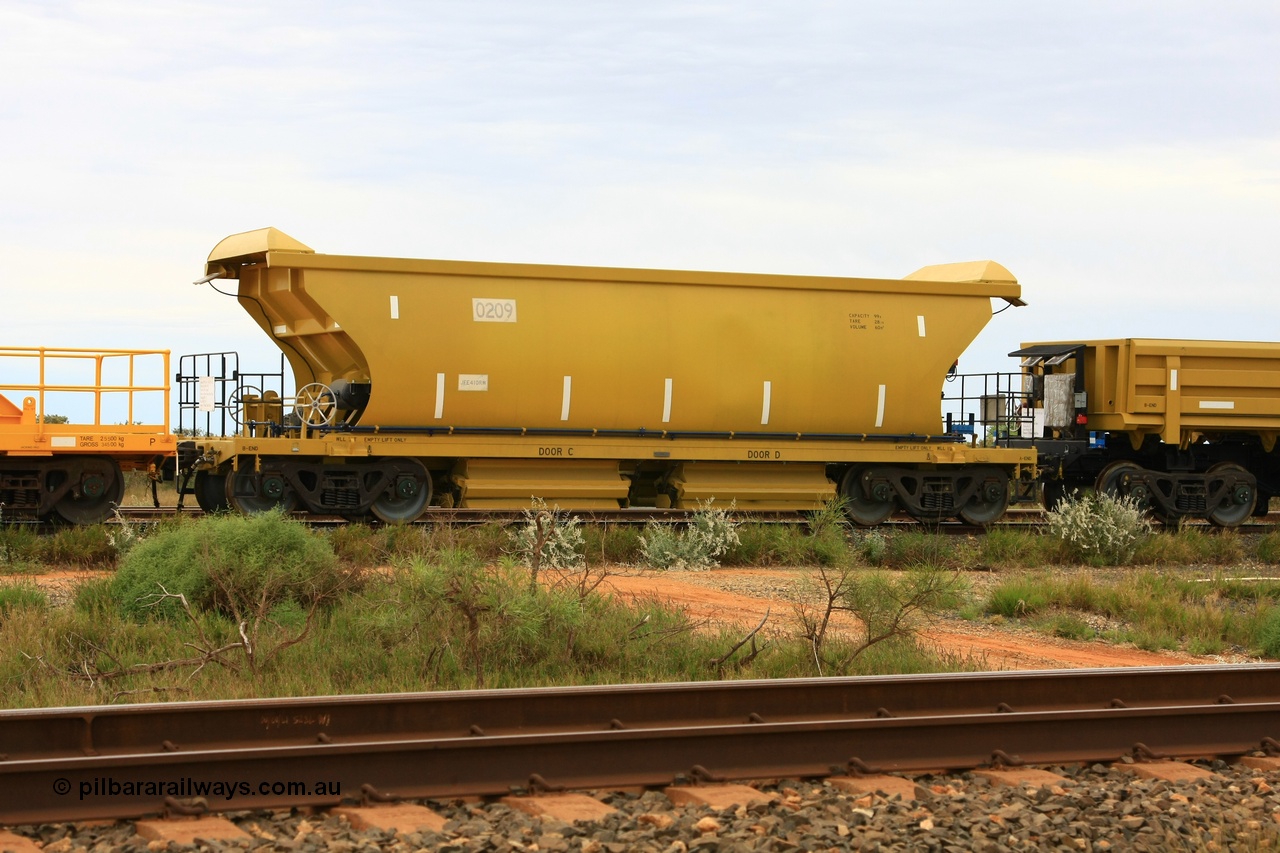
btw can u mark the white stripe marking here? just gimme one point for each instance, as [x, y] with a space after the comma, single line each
[666, 403]
[1217, 404]
[395, 308]
[768, 395]
[1173, 380]
[564, 399]
[439, 395]
[920, 324]
[880, 408]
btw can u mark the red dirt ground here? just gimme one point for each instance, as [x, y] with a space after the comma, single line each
[720, 598]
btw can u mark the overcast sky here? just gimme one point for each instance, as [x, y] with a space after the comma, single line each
[1121, 159]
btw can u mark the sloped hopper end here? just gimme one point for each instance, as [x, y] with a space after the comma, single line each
[249, 247]
[975, 272]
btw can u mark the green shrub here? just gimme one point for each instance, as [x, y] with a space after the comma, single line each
[1070, 627]
[229, 563]
[709, 535]
[1017, 597]
[1269, 633]
[1190, 547]
[608, 544]
[1001, 547]
[20, 546]
[13, 596]
[872, 546]
[1099, 529]
[1268, 548]
[79, 546]
[548, 538]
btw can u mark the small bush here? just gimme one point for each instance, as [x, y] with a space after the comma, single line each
[1269, 633]
[228, 563]
[14, 596]
[1070, 627]
[80, 546]
[999, 547]
[1268, 549]
[548, 538]
[19, 547]
[872, 546]
[611, 544]
[1099, 529]
[1017, 597]
[1190, 547]
[710, 535]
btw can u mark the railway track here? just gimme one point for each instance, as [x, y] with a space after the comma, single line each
[134, 761]
[1015, 518]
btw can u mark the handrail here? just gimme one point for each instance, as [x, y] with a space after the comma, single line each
[44, 356]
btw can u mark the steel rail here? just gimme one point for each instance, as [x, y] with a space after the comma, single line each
[1014, 517]
[186, 726]
[138, 785]
[488, 742]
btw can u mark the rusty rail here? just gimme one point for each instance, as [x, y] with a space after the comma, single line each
[63, 763]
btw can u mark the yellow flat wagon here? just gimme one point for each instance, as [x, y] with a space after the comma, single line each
[70, 465]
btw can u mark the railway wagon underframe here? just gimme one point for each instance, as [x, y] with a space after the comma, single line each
[395, 478]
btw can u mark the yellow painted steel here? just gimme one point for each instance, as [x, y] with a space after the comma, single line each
[512, 483]
[480, 345]
[761, 486]
[140, 399]
[1182, 391]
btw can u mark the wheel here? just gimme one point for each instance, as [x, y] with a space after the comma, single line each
[316, 404]
[1238, 502]
[211, 492]
[99, 488]
[989, 500]
[407, 495]
[1113, 481]
[248, 492]
[865, 510]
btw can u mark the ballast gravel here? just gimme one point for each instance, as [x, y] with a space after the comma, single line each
[1095, 808]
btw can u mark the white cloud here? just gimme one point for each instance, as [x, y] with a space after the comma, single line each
[1122, 161]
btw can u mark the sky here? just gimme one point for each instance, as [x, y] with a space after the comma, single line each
[1122, 159]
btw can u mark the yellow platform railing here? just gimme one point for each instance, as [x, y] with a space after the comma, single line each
[52, 360]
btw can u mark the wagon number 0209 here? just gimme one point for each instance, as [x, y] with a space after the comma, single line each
[493, 310]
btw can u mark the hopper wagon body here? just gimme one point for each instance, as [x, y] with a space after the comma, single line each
[489, 384]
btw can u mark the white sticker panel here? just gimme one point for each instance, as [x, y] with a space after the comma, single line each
[493, 310]
[473, 382]
[1173, 380]
[920, 324]
[395, 307]
[565, 397]
[62, 440]
[880, 408]
[439, 396]
[768, 398]
[666, 402]
[1217, 404]
[205, 401]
